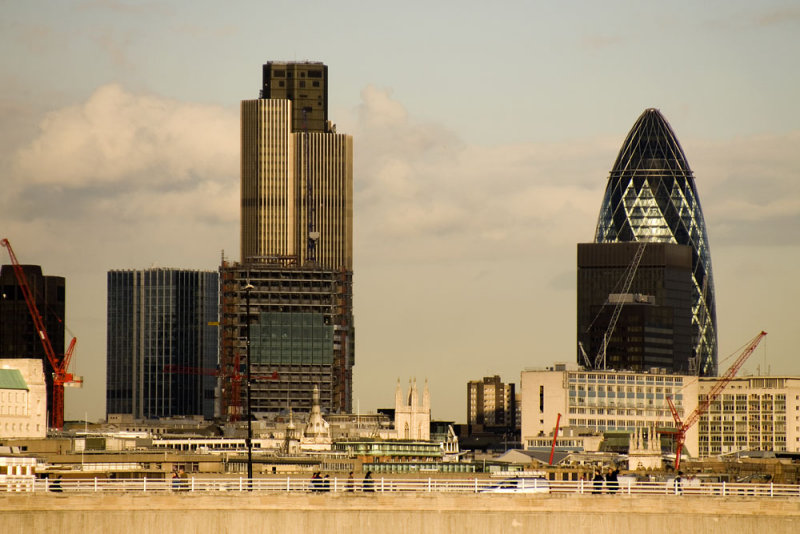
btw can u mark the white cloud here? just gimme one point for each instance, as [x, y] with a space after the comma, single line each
[749, 188]
[423, 188]
[117, 136]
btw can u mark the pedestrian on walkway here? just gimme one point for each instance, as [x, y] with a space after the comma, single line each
[678, 483]
[597, 482]
[611, 480]
[368, 484]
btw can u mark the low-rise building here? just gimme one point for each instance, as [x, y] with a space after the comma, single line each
[23, 399]
[604, 401]
[753, 413]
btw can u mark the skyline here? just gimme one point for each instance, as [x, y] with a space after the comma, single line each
[483, 140]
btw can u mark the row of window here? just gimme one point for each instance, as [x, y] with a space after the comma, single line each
[611, 411]
[14, 427]
[609, 424]
[626, 378]
[13, 396]
[282, 73]
[281, 83]
[13, 410]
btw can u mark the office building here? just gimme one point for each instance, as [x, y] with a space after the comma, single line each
[651, 196]
[162, 342]
[603, 401]
[491, 404]
[296, 249]
[296, 173]
[753, 413]
[646, 325]
[18, 335]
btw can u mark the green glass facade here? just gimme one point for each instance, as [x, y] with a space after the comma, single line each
[285, 338]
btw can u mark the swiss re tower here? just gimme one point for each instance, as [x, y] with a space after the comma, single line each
[651, 197]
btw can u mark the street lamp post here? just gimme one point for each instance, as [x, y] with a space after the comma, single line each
[247, 290]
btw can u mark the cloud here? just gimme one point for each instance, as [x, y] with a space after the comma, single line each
[207, 32]
[126, 180]
[126, 8]
[117, 47]
[748, 188]
[596, 42]
[424, 192]
[778, 15]
[115, 136]
[759, 17]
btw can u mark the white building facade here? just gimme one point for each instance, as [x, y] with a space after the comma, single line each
[753, 413]
[603, 401]
[23, 399]
[757, 413]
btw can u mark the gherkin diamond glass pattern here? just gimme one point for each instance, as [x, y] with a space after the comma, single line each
[651, 196]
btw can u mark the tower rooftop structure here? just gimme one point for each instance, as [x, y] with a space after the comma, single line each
[651, 196]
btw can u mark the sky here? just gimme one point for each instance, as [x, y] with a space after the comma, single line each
[483, 135]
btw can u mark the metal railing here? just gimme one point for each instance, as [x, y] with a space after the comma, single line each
[203, 485]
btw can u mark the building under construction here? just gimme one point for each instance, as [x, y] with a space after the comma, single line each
[296, 252]
[301, 328]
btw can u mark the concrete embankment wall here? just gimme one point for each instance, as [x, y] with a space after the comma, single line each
[381, 513]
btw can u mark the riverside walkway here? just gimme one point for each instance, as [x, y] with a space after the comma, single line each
[81, 511]
[391, 485]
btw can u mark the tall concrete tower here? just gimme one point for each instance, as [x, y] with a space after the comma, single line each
[293, 285]
[651, 196]
[297, 172]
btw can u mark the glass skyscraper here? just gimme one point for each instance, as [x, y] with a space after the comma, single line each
[162, 342]
[651, 196]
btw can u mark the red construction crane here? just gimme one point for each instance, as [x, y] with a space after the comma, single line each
[60, 365]
[719, 385]
[235, 376]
